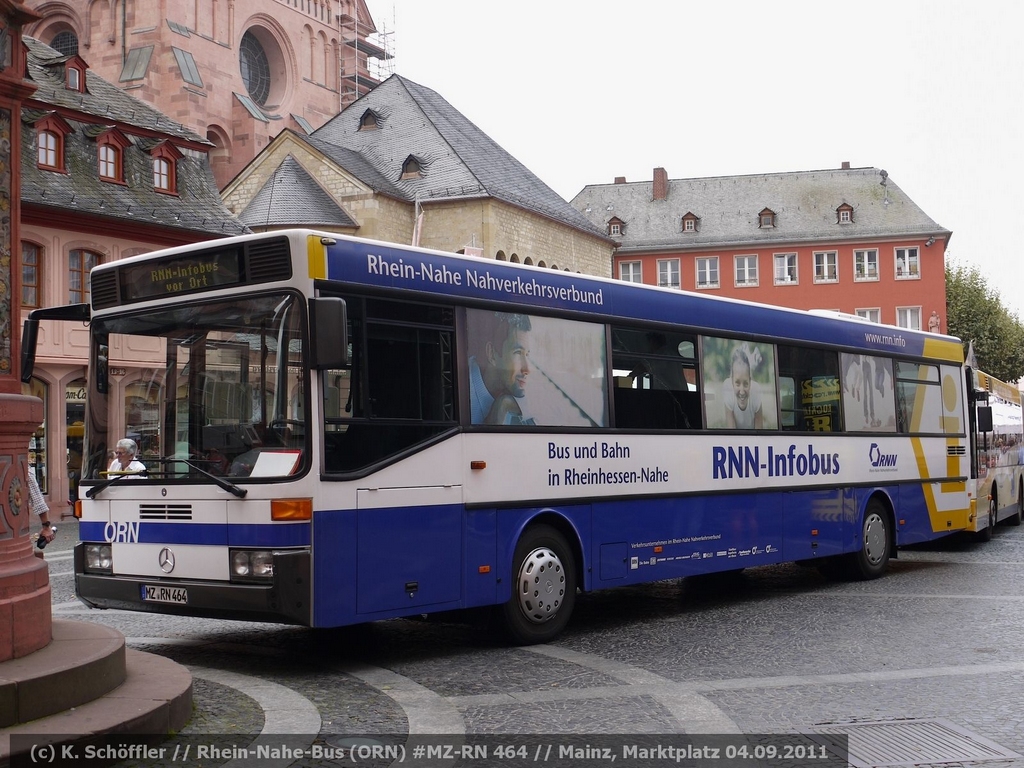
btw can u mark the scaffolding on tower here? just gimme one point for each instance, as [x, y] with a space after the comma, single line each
[366, 58]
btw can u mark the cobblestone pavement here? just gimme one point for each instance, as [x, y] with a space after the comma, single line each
[931, 648]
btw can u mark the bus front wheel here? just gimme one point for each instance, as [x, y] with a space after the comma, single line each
[870, 561]
[543, 588]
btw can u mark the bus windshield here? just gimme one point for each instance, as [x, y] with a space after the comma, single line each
[223, 396]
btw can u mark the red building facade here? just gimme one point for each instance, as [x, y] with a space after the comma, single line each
[848, 240]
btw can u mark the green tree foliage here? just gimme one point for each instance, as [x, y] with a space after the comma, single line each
[975, 312]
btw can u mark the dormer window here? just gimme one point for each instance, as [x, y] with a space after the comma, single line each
[411, 168]
[110, 147]
[844, 214]
[51, 129]
[49, 150]
[691, 222]
[616, 227]
[74, 73]
[766, 219]
[369, 121]
[165, 167]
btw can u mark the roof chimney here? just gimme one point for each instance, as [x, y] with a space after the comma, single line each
[660, 184]
[846, 165]
[620, 179]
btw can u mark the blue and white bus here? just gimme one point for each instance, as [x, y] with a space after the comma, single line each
[338, 431]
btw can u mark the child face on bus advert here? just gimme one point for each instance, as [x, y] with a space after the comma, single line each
[741, 381]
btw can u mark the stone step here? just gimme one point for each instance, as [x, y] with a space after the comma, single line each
[83, 662]
[154, 694]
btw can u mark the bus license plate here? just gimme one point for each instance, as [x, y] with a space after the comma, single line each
[165, 594]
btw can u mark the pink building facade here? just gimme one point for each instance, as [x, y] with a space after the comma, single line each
[236, 73]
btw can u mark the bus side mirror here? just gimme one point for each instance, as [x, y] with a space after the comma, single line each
[984, 418]
[328, 327]
[29, 336]
[30, 331]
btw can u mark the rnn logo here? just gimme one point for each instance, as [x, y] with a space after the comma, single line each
[879, 459]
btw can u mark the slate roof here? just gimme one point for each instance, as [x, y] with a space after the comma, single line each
[197, 206]
[457, 159]
[292, 198]
[805, 204]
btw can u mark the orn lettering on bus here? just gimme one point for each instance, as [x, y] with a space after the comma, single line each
[746, 461]
[127, 532]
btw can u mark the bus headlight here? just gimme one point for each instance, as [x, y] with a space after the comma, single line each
[252, 565]
[98, 559]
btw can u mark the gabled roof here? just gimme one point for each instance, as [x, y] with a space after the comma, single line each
[457, 158]
[292, 198]
[804, 203]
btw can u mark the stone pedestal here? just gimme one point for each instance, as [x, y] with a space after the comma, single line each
[25, 616]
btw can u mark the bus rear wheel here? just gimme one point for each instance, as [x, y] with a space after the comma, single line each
[870, 561]
[543, 588]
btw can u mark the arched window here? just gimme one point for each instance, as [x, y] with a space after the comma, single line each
[165, 167]
[255, 66]
[66, 42]
[79, 263]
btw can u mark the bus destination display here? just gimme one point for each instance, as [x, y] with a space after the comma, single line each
[182, 274]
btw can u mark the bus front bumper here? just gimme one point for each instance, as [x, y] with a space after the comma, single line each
[287, 600]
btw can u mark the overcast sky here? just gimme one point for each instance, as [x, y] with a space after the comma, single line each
[582, 91]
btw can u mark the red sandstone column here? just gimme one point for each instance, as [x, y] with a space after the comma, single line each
[25, 618]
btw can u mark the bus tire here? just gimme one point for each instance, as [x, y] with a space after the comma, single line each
[871, 560]
[1018, 513]
[543, 587]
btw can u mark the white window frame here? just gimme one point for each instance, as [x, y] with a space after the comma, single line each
[162, 174]
[790, 275]
[47, 145]
[767, 220]
[745, 265]
[845, 216]
[907, 263]
[667, 268]
[615, 228]
[863, 273]
[689, 225]
[108, 162]
[871, 314]
[906, 316]
[707, 272]
[635, 270]
[826, 259]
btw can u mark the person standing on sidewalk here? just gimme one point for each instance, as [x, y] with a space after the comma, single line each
[37, 503]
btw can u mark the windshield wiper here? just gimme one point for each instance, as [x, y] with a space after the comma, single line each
[91, 493]
[227, 485]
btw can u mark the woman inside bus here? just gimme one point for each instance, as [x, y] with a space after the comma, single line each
[124, 459]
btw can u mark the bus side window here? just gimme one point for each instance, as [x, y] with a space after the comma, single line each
[654, 373]
[809, 393]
